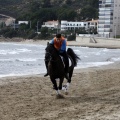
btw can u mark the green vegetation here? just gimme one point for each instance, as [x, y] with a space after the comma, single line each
[43, 10]
[71, 37]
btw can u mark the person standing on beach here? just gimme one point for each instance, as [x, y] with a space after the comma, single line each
[60, 44]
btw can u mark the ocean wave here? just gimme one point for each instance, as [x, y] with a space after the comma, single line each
[92, 64]
[6, 60]
[15, 51]
[27, 60]
[5, 52]
[114, 59]
[23, 50]
[21, 60]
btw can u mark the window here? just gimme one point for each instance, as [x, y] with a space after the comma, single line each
[108, 5]
[106, 26]
[100, 2]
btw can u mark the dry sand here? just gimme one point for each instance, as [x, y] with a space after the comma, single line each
[94, 94]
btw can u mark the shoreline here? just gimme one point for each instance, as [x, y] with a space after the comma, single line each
[70, 43]
[82, 42]
[113, 66]
[40, 42]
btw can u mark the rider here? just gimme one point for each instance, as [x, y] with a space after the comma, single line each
[60, 43]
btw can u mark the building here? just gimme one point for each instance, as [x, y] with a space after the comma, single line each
[66, 25]
[51, 24]
[23, 22]
[109, 18]
[93, 23]
[69, 25]
[7, 20]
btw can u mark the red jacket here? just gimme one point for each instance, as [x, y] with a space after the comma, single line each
[57, 44]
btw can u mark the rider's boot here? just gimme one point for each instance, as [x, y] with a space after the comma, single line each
[46, 64]
[46, 74]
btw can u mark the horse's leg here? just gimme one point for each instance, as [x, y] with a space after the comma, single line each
[55, 86]
[65, 87]
[70, 76]
[60, 83]
[60, 88]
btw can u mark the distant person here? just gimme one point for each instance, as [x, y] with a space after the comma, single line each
[60, 44]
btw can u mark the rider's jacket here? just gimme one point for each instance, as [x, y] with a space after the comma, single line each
[59, 45]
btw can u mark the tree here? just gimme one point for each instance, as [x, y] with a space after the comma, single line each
[66, 14]
[46, 4]
[94, 3]
[68, 2]
[44, 32]
[34, 6]
[88, 12]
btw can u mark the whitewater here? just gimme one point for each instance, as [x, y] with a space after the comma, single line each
[26, 59]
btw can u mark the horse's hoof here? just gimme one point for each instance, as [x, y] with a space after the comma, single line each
[65, 86]
[59, 96]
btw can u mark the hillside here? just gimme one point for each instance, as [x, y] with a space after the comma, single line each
[21, 8]
[10, 7]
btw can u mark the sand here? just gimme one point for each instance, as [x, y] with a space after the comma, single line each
[94, 94]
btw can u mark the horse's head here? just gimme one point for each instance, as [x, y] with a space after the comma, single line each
[50, 51]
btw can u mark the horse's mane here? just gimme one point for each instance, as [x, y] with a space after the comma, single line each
[71, 53]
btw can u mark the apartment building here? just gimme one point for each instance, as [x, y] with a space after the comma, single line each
[69, 25]
[109, 18]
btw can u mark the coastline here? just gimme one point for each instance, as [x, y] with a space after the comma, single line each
[80, 41]
[93, 94]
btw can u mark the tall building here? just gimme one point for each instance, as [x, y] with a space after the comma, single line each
[109, 18]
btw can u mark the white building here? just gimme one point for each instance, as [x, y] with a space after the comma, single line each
[93, 23]
[66, 25]
[7, 21]
[51, 24]
[23, 22]
[109, 18]
[69, 25]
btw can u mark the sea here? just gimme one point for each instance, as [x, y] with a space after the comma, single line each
[26, 59]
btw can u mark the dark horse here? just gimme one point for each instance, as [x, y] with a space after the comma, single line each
[56, 66]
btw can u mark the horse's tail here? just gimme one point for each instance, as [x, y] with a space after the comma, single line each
[72, 54]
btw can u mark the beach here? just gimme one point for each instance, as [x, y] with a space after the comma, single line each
[93, 95]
